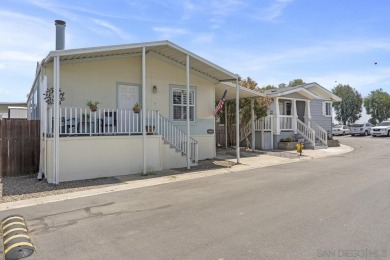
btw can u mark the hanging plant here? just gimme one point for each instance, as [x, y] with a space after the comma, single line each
[49, 96]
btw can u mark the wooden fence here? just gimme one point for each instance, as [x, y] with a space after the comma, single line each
[19, 147]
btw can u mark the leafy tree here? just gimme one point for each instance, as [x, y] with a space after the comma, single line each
[296, 82]
[292, 83]
[377, 104]
[269, 87]
[350, 108]
[261, 106]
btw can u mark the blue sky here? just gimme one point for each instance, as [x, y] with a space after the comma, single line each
[272, 41]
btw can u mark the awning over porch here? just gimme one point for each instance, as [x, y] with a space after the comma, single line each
[166, 50]
[231, 92]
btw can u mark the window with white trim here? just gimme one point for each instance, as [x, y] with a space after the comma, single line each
[179, 104]
[327, 108]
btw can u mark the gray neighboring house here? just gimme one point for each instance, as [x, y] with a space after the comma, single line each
[301, 112]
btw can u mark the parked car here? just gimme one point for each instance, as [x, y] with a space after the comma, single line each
[361, 129]
[340, 130]
[381, 129]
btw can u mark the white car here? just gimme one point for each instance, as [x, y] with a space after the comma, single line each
[381, 129]
[361, 129]
[340, 130]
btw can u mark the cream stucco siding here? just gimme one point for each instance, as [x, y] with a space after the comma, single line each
[97, 79]
[103, 156]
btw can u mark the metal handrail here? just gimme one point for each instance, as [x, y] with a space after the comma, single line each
[176, 137]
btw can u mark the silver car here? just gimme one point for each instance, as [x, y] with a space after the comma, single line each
[340, 130]
[381, 129]
[361, 129]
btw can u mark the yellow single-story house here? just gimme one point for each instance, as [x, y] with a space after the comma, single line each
[144, 93]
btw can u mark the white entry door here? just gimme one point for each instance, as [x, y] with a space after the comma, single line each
[128, 120]
[127, 96]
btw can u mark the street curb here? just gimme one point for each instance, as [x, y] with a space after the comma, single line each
[129, 185]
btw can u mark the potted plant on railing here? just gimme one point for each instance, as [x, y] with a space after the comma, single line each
[136, 108]
[92, 105]
[149, 129]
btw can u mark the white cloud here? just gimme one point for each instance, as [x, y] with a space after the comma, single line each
[203, 38]
[112, 29]
[189, 7]
[275, 10]
[169, 32]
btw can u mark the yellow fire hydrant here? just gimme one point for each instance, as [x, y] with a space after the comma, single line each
[299, 148]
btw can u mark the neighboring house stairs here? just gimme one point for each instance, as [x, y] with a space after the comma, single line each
[314, 135]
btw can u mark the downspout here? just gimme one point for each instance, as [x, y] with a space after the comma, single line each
[237, 121]
[144, 109]
[188, 110]
[42, 118]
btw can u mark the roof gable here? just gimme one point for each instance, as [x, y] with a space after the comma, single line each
[310, 90]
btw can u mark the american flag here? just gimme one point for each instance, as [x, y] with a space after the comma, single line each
[218, 109]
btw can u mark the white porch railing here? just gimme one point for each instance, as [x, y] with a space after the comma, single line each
[264, 123]
[286, 122]
[177, 138]
[84, 122]
[306, 132]
[320, 133]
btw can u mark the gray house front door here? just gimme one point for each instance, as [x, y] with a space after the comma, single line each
[301, 110]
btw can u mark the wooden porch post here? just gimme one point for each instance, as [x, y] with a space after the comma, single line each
[188, 110]
[277, 114]
[295, 115]
[262, 133]
[307, 113]
[253, 124]
[237, 121]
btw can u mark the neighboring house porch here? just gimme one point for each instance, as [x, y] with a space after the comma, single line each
[301, 112]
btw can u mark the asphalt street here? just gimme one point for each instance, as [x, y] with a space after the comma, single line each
[330, 208]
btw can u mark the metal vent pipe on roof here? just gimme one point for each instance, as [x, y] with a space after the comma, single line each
[60, 34]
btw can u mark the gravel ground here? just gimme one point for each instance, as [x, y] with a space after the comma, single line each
[26, 187]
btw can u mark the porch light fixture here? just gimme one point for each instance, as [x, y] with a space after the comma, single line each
[154, 89]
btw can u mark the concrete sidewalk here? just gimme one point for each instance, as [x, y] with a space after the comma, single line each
[249, 160]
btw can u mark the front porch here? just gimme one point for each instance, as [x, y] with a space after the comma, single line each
[109, 142]
[271, 129]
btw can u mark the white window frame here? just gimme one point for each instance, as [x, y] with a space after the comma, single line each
[183, 104]
[327, 108]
